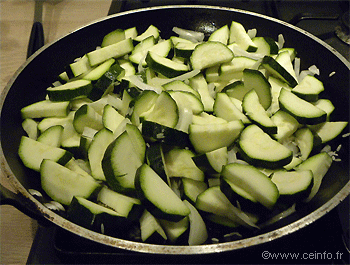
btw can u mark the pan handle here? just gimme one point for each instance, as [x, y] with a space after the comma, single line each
[22, 204]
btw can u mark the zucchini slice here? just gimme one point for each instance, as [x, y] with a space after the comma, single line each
[272, 66]
[69, 91]
[45, 108]
[158, 198]
[96, 217]
[179, 163]
[259, 149]
[126, 206]
[303, 111]
[252, 181]
[209, 54]
[293, 186]
[32, 153]
[208, 137]
[256, 112]
[62, 184]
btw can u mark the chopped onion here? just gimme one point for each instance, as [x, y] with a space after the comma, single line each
[280, 41]
[238, 51]
[53, 205]
[279, 216]
[35, 193]
[198, 230]
[136, 80]
[331, 74]
[252, 33]
[297, 68]
[190, 35]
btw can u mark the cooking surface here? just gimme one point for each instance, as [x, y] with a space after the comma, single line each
[18, 230]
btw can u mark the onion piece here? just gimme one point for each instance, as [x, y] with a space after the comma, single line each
[194, 36]
[136, 80]
[198, 230]
[252, 32]
[89, 132]
[238, 51]
[156, 81]
[185, 119]
[280, 41]
[279, 216]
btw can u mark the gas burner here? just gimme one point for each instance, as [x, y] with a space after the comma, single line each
[342, 31]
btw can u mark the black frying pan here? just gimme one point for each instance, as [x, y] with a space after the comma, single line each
[30, 82]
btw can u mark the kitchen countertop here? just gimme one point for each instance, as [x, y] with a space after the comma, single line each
[60, 17]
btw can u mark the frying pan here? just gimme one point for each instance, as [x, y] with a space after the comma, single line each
[29, 83]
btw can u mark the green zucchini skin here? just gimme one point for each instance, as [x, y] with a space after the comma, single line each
[169, 207]
[155, 132]
[97, 218]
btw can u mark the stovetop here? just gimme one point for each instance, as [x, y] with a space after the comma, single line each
[322, 242]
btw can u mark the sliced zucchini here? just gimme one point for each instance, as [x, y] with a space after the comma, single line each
[52, 136]
[178, 85]
[30, 126]
[165, 66]
[179, 163]
[293, 186]
[96, 217]
[239, 196]
[150, 31]
[164, 111]
[226, 109]
[309, 88]
[126, 206]
[111, 118]
[115, 50]
[272, 66]
[303, 111]
[151, 230]
[239, 35]
[256, 112]
[259, 149]
[319, 165]
[158, 198]
[265, 45]
[213, 161]
[155, 159]
[209, 54]
[177, 232]
[254, 79]
[86, 116]
[221, 35]
[155, 132]
[104, 82]
[214, 201]
[62, 184]
[253, 182]
[80, 66]
[208, 137]
[192, 188]
[329, 130]
[120, 163]
[113, 37]
[199, 84]
[69, 91]
[187, 100]
[236, 66]
[45, 108]
[32, 153]
[286, 125]
[96, 151]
